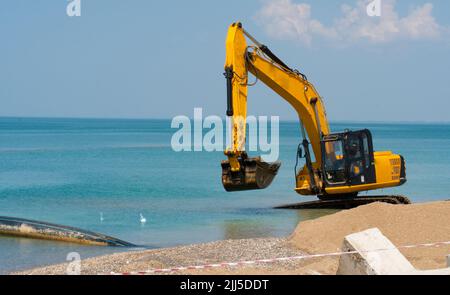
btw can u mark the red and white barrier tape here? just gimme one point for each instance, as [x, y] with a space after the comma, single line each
[271, 260]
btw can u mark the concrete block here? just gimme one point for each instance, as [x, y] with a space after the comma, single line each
[369, 260]
[376, 255]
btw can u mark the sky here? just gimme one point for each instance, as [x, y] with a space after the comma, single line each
[160, 59]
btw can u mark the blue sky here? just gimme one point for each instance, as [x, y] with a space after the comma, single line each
[159, 59]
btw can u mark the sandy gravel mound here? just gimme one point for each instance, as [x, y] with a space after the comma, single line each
[402, 224]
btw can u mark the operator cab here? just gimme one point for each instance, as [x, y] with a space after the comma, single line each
[348, 158]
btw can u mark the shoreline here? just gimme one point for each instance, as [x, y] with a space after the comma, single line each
[402, 224]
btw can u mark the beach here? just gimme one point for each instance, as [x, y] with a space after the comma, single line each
[402, 224]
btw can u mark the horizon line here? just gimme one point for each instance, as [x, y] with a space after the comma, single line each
[164, 119]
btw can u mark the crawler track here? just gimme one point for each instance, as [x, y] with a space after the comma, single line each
[348, 203]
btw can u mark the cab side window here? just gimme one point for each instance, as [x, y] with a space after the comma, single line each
[365, 140]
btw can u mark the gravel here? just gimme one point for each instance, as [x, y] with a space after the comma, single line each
[215, 252]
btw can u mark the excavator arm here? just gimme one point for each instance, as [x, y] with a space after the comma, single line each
[289, 84]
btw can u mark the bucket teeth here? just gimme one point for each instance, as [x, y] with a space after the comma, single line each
[254, 174]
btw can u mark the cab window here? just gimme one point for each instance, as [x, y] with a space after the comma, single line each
[334, 161]
[354, 154]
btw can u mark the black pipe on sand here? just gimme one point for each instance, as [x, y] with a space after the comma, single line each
[26, 228]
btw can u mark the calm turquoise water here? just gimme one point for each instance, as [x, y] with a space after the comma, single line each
[67, 171]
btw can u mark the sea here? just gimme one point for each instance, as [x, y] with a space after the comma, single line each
[102, 174]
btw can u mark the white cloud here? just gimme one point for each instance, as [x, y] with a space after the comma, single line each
[284, 19]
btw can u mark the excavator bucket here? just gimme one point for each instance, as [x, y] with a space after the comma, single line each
[254, 174]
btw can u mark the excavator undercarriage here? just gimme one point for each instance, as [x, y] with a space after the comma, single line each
[347, 202]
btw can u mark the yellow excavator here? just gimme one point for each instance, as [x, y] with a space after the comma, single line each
[344, 164]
